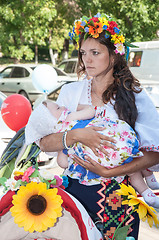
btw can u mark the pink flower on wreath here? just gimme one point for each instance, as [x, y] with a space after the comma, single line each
[27, 174]
[58, 181]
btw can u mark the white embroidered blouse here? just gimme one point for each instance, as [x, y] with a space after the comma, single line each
[147, 123]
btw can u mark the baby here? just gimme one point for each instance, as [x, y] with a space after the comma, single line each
[49, 118]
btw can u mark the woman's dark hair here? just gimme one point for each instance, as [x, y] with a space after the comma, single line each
[124, 86]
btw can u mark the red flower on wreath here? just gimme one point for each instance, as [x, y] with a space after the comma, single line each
[94, 19]
[110, 29]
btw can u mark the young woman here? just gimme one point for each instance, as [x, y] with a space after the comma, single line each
[111, 86]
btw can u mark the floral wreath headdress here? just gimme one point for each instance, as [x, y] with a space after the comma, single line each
[93, 26]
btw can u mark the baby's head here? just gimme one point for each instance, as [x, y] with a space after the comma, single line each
[43, 121]
[54, 108]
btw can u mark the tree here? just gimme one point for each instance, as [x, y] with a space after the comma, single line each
[26, 23]
[47, 22]
[138, 19]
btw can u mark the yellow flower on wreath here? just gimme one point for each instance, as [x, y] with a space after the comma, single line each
[104, 21]
[144, 210]
[35, 207]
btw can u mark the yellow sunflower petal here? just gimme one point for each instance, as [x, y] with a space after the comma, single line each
[142, 211]
[126, 190]
[150, 221]
[125, 202]
[123, 190]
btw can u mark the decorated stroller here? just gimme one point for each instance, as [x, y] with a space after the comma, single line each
[54, 215]
[34, 204]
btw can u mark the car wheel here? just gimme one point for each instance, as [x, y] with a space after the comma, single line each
[23, 93]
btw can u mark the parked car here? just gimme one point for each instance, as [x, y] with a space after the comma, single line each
[5, 132]
[18, 79]
[144, 64]
[69, 66]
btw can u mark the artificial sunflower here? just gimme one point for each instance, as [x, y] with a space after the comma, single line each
[144, 210]
[35, 207]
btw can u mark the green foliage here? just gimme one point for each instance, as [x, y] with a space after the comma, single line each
[138, 19]
[25, 23]
[47, 22]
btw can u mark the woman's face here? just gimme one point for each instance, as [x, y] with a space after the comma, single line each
[95, 57]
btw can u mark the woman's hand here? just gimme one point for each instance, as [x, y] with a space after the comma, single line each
[93, 139]
[92, 166]
[149, 159]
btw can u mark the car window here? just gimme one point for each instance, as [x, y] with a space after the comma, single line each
[54, 95]
[62, 66]
[59, 73]
[1, 100]
[135, 59]
[19, 72]
[6, 72]
[26, 73]
[70, 67]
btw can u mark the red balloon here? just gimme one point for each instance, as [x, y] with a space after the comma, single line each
[15, 111]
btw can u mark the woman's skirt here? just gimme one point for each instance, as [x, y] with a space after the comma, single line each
[104, 206]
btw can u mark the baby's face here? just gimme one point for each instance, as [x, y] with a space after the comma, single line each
[55, 109]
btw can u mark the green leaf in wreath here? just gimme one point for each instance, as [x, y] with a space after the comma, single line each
[86, 36]
[53, 181]
[3, 180]
[85, 18]
[91, 23]
[35, 174]
[130, 45]
[20, 183]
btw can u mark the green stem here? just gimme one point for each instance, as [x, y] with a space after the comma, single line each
[122, 223]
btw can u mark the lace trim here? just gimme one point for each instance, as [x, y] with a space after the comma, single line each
[100, 110]
[150, 148]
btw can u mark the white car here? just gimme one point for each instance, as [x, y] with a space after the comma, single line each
[5, 132]
[69, 66]
[144, 64]
[17, 78]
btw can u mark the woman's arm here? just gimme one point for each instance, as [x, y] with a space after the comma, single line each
[149, 159]
[88, 136]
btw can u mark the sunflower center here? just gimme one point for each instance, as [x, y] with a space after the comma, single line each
[36, 204]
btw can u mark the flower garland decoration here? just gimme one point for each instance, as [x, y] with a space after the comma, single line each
[144, 211]
[36, 204]
[93, 26]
